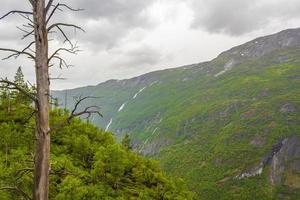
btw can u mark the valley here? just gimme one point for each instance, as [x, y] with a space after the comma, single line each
[229, 127]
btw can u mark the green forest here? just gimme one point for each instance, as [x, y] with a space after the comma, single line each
[86, 162]
[152, 109]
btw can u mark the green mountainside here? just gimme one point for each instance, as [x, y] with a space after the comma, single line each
[86, 162]
[230, 127]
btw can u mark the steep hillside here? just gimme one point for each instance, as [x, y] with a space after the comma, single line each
[86, 162]
[230, 126]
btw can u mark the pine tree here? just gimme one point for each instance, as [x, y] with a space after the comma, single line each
[126, 142]
[5, 98]
[56, 103]
[19, 77]
[19, 97]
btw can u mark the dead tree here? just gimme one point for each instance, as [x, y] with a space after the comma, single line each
[39, 27]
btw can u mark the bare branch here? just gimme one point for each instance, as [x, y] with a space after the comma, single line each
[30, 116]
[78, 103]
[57, 7]
[62, 62]
[57, 78]
[28, 34]
[65, 25]
[32, 2]
[65, 36]
[72, 50]
[29, 25]
[17, 53]
[27, 18]
[31, 85]
[87, 111]
[21, 172]
[23, 30]
[28, 47]
[49, 5]
[16, 11]
[19, 88]
[59, 27]
[53, 11]
[70, 8]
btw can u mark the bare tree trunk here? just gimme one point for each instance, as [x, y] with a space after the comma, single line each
[42, 156]
[42, 14]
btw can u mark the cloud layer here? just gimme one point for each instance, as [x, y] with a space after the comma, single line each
[236, 17]
[108, 22]
[125, 38]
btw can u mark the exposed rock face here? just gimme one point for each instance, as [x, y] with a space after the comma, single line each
[228, 66]
[284, 156]
[264, 93]
[287, 108]
[282, 59]
[248, 114]
[258, 141]
[257, 170]
[153, 148]
[261, 46]
[288, 156]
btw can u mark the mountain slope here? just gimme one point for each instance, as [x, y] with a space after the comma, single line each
[221, 119]
[86, 163]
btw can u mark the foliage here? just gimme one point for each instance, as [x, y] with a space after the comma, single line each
[86, 162]
[126, 142]
[203, 128]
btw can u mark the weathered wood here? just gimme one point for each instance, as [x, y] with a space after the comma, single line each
[42, 98]
[42, 155]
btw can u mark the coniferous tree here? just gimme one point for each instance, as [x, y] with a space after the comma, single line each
[74, 176]
[20, 98]
[126, 142]
[56, 103]
[5, 98]
[40, 25]
[19, 77]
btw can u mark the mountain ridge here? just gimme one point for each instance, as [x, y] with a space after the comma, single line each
[207, 117]
[231, 50]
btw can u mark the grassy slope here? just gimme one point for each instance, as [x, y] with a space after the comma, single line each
[210, 122]
[241, 105]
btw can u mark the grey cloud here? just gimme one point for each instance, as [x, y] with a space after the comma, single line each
[114, 63]
[130, 12]
[106, 22]
[7, 5]
[139, 57]
[8, 32]
[103, 34]
[144, 55]
[119, 64]
[8, 25]
[236, 17]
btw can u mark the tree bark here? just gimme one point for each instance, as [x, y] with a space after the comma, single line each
[41, 99]
[42, 155]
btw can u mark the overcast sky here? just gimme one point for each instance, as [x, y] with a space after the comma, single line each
[126, 38]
